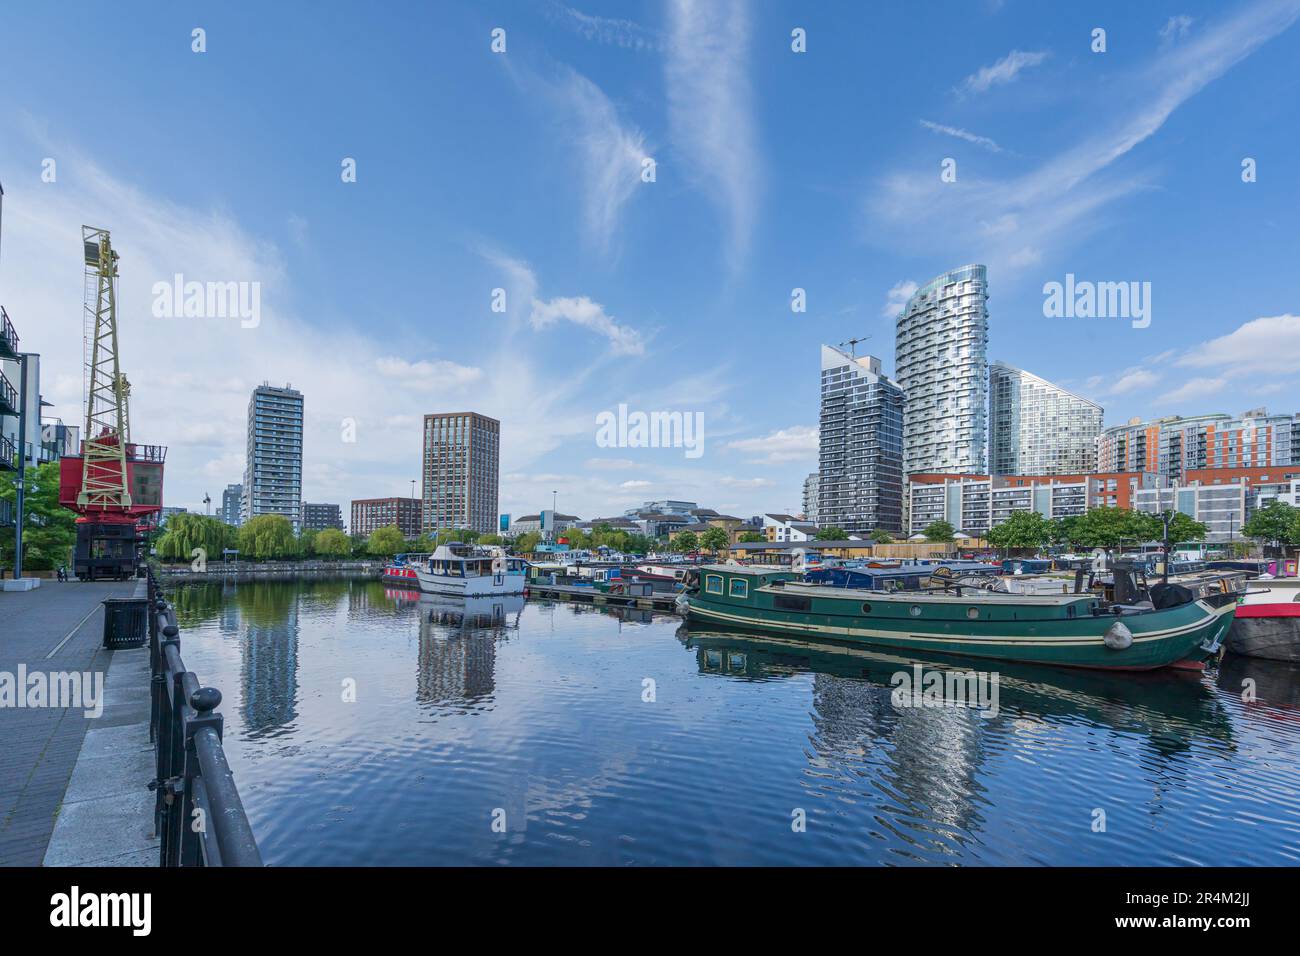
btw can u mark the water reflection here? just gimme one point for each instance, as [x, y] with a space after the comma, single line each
[538, 708]
[458, 645]
[269, 661]
[1170, 709]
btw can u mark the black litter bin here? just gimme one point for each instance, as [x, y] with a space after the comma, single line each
[126, 622]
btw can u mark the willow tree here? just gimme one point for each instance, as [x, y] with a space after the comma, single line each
[267, 537]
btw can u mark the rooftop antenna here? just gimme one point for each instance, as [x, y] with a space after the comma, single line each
[853, 345]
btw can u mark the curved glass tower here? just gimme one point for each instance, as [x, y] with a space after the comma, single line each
[941, 353]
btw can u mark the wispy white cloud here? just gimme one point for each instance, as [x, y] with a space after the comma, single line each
[982, 141]
[897, 298]
[1062, 201]
[796, 443]
[580, 310]
[1267, 345]
[1002, 72]
[1176, 28]
[614, 31]
[426, 375]
[1133, 379]
[710, 109]
[1193, 389]
[609, 149]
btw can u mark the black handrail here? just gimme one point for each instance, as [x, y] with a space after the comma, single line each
[197, 810]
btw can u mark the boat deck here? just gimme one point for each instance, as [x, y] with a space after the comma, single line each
[913, 597]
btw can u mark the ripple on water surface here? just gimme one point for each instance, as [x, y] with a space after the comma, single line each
[369, 726]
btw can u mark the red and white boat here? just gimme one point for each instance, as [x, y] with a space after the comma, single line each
[1267, 623]
[401, 570]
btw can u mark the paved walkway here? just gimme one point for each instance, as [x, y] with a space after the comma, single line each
[56, 627]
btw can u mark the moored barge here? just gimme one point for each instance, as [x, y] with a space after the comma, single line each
[1172, 628]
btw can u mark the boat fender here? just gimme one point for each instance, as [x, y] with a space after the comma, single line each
[1118, 637]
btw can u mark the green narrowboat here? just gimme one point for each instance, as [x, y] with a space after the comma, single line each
[1073, 630]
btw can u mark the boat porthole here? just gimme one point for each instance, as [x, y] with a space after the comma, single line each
[972, 612]
[915, 610]
[866, 607]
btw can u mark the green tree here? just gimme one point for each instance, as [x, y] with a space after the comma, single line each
[833, 533]
[332, 543]
[1276, 524]
[1064, 531]
[423, 544]
[939, 531]
[750, 537]
[187, 532]
[714, 540]
[491, 539]
[686, 541]
[577, 538]
[386, 541]
[1023, 529]
[307, 541]
[49, 529]
[1181, 528]
[267, 537]
[1113, 528]
[527, 543]
[881, 536]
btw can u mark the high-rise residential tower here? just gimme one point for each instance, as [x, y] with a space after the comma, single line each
[941, 354]
[1037, 428]
[273, 467]
[230, 504]
[860, 473]
[462, 454]
[811, 486]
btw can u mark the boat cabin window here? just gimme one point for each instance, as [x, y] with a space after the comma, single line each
[713, 583]
[739, 588]
[792, 602]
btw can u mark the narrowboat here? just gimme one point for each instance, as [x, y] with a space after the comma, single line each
[1134, 629]
[1267, 623]
[467, 571]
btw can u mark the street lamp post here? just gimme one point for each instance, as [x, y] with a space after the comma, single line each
[20, 484]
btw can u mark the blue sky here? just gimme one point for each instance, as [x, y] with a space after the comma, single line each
[522, 171]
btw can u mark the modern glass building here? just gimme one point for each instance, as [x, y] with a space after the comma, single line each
[860, 473]
[1037, 428]
[941, 353]
[462, 454]
[1173, 446]
[273, 466]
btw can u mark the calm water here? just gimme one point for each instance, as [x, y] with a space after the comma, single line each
[534, 714]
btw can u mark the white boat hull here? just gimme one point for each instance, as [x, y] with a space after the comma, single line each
[483, 585]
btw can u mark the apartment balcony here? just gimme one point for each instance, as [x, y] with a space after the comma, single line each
[8, 397]
[8, 336]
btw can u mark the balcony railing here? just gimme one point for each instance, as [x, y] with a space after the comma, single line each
[8, 336]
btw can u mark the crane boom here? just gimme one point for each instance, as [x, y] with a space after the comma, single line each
[104, 479]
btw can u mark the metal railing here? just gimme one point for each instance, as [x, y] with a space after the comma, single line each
[197, 810]
[8, 335]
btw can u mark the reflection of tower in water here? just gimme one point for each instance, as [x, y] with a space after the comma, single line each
[936, 750]
[269, 672]
[458, 645]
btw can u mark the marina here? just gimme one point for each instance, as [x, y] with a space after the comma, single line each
[538, 709]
